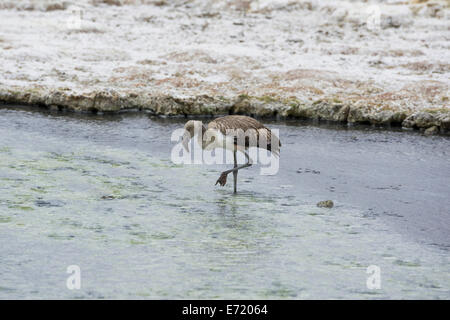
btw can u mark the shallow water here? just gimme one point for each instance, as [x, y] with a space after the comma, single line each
[101, 192]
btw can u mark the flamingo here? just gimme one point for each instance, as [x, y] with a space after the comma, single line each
[219, 130]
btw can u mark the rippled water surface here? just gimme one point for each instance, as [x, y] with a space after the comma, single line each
[102, 193]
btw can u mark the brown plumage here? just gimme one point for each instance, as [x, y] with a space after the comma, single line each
[249, 125]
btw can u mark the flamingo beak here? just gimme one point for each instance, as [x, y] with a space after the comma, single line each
[185, 140]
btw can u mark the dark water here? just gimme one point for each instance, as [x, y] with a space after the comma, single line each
[101, 192]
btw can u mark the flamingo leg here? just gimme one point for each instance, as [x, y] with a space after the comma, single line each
[235, 173]
[223, 177]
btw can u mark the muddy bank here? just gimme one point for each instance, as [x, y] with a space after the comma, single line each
[432, 120]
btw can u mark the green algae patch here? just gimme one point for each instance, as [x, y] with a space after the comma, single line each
[5, 219]
[39, 190]
[23, 208]
[137, 242]
[61, 237]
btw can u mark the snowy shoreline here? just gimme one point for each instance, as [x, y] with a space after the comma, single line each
[382, 62]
